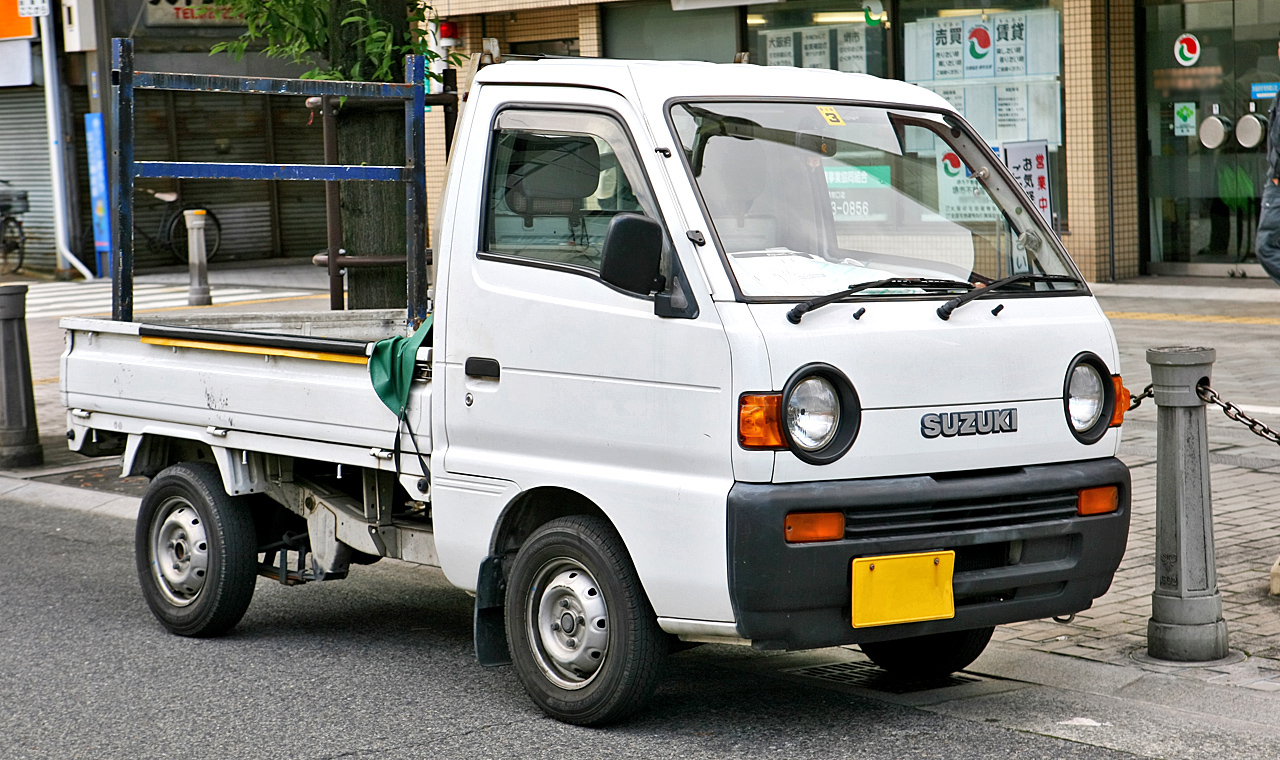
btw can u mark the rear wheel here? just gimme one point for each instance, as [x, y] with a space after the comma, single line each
[583, 638]
[177, 235]
[196, 550]
[13, 245]
[929, 657]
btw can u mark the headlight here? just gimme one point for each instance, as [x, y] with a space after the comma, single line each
[820, 414]
[1085, 397]
[813, 413]
[1088, 398]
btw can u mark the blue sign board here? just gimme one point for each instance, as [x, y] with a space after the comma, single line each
[1263, 90]
[99, 192]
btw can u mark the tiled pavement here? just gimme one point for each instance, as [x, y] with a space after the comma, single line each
[1246, 502]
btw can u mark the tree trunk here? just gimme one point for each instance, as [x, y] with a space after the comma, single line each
[371, 132]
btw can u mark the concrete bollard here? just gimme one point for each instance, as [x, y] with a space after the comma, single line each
[1186, 622]
[19, 436]
[198, 294]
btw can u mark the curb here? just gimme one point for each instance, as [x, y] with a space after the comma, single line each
[37, 494]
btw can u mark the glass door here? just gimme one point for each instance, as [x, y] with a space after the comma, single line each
[1211, 73]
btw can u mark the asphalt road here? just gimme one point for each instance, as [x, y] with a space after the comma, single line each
[376, 666]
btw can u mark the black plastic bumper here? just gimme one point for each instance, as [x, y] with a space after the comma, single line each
[1021, 551]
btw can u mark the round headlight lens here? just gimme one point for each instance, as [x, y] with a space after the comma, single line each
[1086, 397]
[813, 413]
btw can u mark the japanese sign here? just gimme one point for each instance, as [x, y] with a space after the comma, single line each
[1184, 119]
[782, 51]
[1011, 44]
[948, 49]
[13, 26]
[99, 193]
[848, 187]
[189, 13]
[1029, 162]
[982, 46]
[851, 49]
[960, 197]
[815, 48]
[33, 8]
[978, 57]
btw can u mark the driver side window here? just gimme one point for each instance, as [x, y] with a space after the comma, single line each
[556, 180]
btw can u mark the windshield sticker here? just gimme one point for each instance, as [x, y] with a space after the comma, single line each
[831, 116]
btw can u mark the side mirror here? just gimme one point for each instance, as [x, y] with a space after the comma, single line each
[631, 258]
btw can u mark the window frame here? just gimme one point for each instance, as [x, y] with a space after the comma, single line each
[482, 240]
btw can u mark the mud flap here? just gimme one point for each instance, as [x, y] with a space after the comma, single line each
[490, 629]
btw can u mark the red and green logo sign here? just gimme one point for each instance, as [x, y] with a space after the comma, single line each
[951, 164]
[1186, 49]
[979, 42]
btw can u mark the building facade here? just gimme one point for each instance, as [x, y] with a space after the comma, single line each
[1118, 94]
[1058, 75]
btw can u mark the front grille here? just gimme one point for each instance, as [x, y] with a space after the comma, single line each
[967, 514]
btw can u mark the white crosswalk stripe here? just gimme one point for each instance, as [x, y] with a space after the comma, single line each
[68, 299]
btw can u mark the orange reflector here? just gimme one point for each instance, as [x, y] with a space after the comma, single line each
[1123, 399]
[814, 526]
[1098, 501]
[760, 422]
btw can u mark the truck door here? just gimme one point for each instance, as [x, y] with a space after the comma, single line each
[553, 377]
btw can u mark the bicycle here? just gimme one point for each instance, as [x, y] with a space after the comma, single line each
[13, 240]
[171, 233]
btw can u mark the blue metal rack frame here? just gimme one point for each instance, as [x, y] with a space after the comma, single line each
[124, 81]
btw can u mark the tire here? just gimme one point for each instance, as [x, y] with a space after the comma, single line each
[923, 658]
[13, 245]
[177, 236]
[579, 566]
[209, 547]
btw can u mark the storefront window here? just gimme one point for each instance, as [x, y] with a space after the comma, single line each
[1002, 69]
[1211, 70]
[844, 36]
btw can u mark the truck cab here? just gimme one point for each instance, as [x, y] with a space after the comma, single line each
[727, 353]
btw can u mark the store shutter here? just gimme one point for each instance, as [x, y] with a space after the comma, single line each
[230, 128]
[24, 162]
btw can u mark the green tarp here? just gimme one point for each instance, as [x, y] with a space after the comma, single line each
[391, 367]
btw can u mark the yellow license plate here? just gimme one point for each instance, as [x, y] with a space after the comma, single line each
[903, 588]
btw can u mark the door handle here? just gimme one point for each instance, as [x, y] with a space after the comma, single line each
[477, 367]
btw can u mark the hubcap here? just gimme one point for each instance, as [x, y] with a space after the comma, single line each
[179, 552]
[568, 623]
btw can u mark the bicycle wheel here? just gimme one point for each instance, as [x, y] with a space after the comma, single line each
[13, 245]
[177, 236]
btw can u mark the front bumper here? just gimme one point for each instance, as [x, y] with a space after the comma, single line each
[1021, 551]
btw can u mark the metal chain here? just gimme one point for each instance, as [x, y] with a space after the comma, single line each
[1210, 396]
[1147, 392]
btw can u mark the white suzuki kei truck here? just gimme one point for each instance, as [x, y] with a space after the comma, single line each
[720, 353]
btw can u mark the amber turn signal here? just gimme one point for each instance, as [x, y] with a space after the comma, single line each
[1123, 399]
[814, 526]
[760, 421]
[1098, 501]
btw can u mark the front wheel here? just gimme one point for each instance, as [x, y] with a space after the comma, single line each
[196, 550]
[583, 638]
[922, 658]
[13, 245]
[177, 235]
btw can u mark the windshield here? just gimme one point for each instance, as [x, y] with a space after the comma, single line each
[808, 199]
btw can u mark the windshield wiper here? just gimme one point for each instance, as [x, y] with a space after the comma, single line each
[945, 310]
[796, 314]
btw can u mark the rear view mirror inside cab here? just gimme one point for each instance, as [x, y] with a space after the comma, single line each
[631, 258]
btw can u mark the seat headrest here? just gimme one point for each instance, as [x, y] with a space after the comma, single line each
[563, 167]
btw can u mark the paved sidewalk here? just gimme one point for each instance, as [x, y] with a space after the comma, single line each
[1245, 472]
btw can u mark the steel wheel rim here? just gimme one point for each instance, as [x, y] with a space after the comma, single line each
[179, 552]
[567, 623]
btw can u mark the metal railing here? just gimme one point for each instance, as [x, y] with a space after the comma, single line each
[125, 81]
